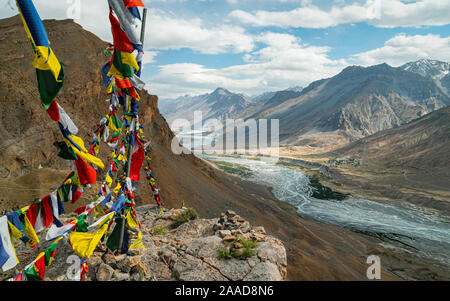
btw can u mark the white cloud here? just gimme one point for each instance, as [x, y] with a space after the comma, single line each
[380, 13]
[395, 13]
[164, 31]
[149, 57]
[283, 61]
[272, 61]
[403, 48]
[168, 32]
[93, 14]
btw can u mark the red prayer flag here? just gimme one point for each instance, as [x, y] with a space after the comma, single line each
[86, 173]
[53, 111]
[132, 92]
[39, 266]
[84, 270]
[121, 40]
[19, 277]
[76, 195]
[123, 83]
[80, 210]
[46, 211]
[133, 3]
[137, 159]
[32, 213]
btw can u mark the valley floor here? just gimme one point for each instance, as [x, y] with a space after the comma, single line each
[418, 187]
[400, 263]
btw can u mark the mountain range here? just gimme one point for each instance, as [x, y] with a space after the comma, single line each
[428, 68]
[407, 163]
[356, 103]
[220, 104]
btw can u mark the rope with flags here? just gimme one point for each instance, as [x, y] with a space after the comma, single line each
[121, 77]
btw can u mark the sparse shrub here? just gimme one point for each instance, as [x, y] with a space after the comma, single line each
[324, 193]
[228, 251]
[224, 253]
[187, 215]
[159, 230]
[247, 243]
[176, 275]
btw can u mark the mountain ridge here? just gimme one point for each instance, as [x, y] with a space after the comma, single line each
[220, 104]
[422, 143]
[357, 102]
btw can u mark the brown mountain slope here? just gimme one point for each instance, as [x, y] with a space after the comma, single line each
[423, 143]
[315, 251]
[409, 163]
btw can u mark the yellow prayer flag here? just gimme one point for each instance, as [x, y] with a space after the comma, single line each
[117, 188]
[129, 59]
[131, 220]
[29, 231]
[138, 243]
[84, 244]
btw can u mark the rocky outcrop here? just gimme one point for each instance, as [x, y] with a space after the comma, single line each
[188, 253]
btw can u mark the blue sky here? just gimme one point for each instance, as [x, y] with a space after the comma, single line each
[254, 46]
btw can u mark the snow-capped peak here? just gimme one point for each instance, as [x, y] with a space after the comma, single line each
[429, 68]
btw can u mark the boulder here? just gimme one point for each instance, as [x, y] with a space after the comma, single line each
[190, 252]
[264, 271]
[124, 265]
[204, 247]
[190, 268]
[119, 276]
[110, 260]
[229, 238]
[136, 277]
[272, 251]
[104, 273]
[224, 233]
[233, 269]
[230, 213]
[260, 230]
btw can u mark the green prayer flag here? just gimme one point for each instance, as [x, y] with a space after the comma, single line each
[126, 70]
[48, 86]
[32, 275]
[50, 253]
[66, 152]
[82, 226]
[114, 239]
[117, 123]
